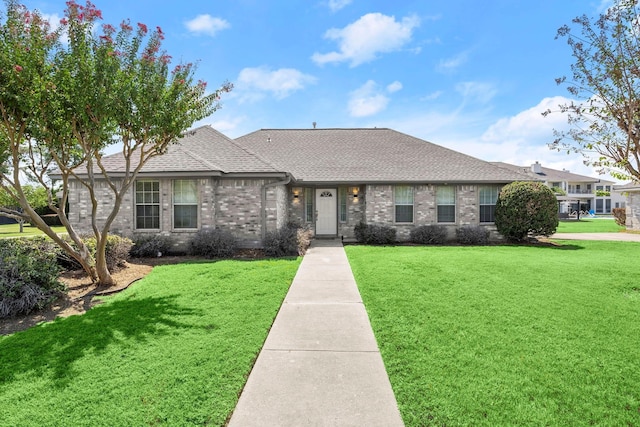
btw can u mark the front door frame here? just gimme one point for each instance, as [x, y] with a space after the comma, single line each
[332, 213]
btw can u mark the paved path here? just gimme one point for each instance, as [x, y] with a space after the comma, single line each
[320, 365]
[622, 237]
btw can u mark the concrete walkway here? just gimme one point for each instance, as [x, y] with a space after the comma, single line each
[621, 237]
[320, 365]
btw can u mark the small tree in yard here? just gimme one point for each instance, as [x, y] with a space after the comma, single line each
[62, 105]
[525, 208]
[605, 118]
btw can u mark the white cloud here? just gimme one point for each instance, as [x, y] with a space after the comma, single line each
[476, 92]
[433, 95]
[394, 87]
[255, 82]
[367, 100]
[362, 40]
[336, 5]
[451, 64]
[207, 24]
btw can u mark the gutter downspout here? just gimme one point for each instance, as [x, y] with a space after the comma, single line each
[263, 201]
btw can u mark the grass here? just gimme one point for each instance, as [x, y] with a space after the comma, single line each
[174, 349]
[13, 230]
[591, 225]
[507, 335]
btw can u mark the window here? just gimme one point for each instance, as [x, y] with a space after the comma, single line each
[147, 205]
[607, 205]
[308, 204]
[185, 204]
[488, 196]
[599, 188]
[446, 203]
[342, 203]
[404, 203]
[599, 206]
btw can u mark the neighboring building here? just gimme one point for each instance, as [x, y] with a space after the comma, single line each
[574, 192]
[327, 179]
[632, 193]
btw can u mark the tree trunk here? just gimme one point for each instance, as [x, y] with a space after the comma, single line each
[21, 222]
[104, 276]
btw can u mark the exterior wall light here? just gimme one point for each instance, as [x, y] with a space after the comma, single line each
[296, 192]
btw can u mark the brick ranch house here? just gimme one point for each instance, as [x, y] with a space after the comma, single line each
[327, 179]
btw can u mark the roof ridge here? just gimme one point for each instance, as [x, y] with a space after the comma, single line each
[317, 129]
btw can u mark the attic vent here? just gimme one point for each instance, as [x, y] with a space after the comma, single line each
[326, 194]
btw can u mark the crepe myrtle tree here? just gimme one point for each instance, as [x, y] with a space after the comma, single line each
[605, 81]
[69, 93]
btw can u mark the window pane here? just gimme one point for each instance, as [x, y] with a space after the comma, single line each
[404, 195]
[342, 195]
[308, 204]
[446, 195]
[147, 204]
[404, 213]
[185, 216]
[488, 213]
[446, 213]
[184, 191]
[487, 200]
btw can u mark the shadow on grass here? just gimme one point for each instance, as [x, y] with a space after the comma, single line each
[51, 349]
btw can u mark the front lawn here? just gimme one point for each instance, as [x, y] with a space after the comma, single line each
[507, 335]
[13, 230]
[590, 225]
[174, 349]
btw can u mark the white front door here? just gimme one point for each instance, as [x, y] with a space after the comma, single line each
[327, 208]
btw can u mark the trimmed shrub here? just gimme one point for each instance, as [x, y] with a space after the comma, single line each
[429, 234]
[472, 235]
[374, 234]
[213, 243]
[150, 245]
[620, 215]
[290, 240]
[525, 208]
[28, 275]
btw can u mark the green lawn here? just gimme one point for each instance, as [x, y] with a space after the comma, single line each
[589, 225]
[507, 335]
[13, 230]
[174, 349]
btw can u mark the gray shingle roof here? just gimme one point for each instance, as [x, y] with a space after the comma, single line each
[203, 149]
[550, 175]
[369, 155]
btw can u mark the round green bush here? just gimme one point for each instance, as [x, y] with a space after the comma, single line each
[525, 208]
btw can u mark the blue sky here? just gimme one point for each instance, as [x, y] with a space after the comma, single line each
[468, 75]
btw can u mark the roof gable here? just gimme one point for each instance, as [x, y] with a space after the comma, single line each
[203, 149]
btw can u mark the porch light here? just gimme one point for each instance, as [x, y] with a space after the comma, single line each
[296, 192]
[354, 191]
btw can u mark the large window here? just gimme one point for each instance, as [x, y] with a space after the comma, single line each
[404, 203]
[488, 196]
[446, 203]
[342, 203]
[185, 203]
[308, 204]
[147, 205]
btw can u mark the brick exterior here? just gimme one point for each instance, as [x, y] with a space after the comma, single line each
[238, 205]
[231, 204]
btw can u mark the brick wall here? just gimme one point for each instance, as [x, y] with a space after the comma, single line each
[231, 204]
